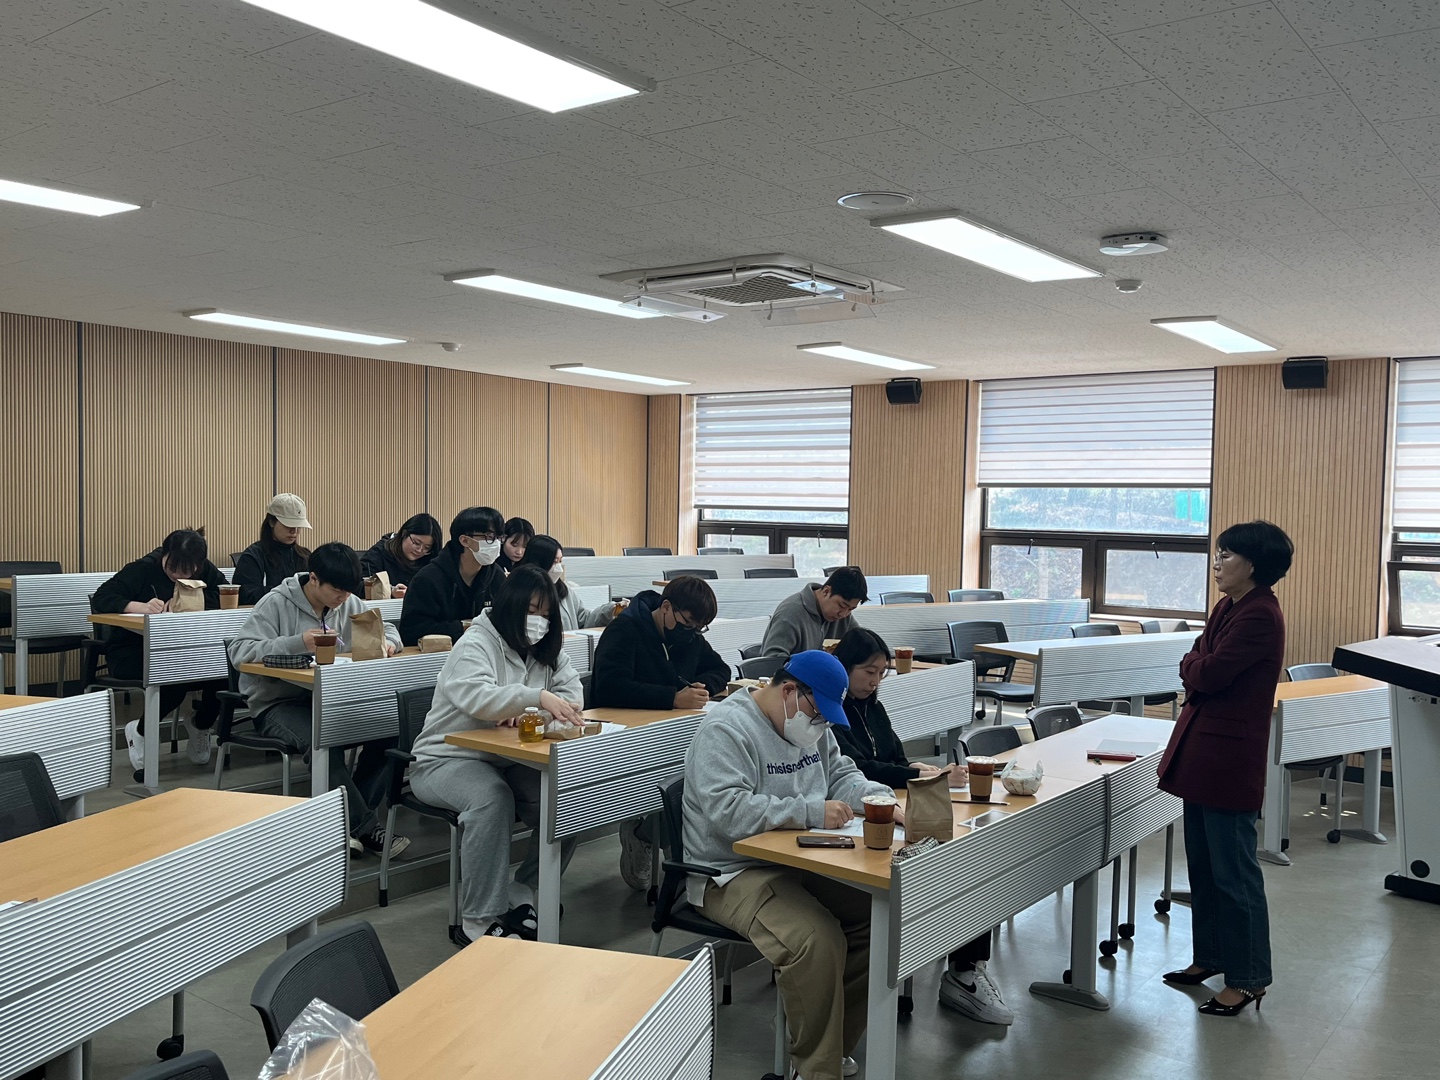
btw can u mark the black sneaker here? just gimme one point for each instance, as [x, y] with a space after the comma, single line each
[374, 842]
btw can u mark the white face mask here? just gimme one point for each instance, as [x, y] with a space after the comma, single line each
[536, 627]
[484, 553]
[557, 571]
[800, 730]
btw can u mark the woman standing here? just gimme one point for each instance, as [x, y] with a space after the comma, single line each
[278, 554]
[1216, 763]
[405, 553]
[545, 552]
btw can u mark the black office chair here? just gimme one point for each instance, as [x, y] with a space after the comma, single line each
[671, 575]
[28, 802]
[582, 551]
[772, 572]
[1050, 720]
[196, 1065]
[414, 706]
[61, 645]
[827, 571]
[1095, 629]
[749, 652]
[231, 702]
[906, 598]
[586, 679]
[645, 551]
[1334, 766]
[965, 596]
[719, 551]
[1305, 672]
[964, 636]
[1157, 626]
[344, 966]
[989, 741]
[761, 667]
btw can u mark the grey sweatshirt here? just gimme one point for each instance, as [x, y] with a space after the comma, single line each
[573, 616]
[485, 679]
[797, 625]
[742, 778]
[278, 625]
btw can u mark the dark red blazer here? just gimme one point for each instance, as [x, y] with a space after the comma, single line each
[1216, 755]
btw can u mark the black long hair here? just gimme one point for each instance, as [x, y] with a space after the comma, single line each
[186, 551]
[541, 552]
[417, 525]
[512, 605]
[273, 549]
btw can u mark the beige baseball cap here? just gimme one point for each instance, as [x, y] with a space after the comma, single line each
[289, 510]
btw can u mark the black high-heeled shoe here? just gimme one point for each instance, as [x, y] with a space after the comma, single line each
[1215, 1008]
[1189, 978]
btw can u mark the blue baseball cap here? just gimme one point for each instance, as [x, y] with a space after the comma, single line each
[826, 678]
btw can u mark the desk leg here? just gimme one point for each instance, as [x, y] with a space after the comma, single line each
[22, 666]
[319, 757]
[1370, 817]
[883, 998]
[68, 1066]
[1273, 834]
[1137, 706]
[302, 933]
[150, 783]
[547, 895]
[1080, 990]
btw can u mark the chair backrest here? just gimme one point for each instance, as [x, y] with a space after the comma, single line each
[344, 966]
[749, 652]
[578, 551]
[906, 598]
[586, 678]
[14, 569]
[761, 667]
[827, 571]
[1095, 629]
[1151, 626]
[1050, 720]
[771, 571]
[1164, 626]
[1301, 672]
[414, 706]
[235, 557]
[989, 741]
[964, 636]
[965, 596]
[671, 575]
[646, 551]
[28, 802]
[196, 1065]
[719, 551]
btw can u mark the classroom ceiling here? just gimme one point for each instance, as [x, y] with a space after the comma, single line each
[1290, 150]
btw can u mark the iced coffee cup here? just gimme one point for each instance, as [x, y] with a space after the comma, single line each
[904, 658]
[325, 648]
[879, 808]
[982, 776]
[229, 596]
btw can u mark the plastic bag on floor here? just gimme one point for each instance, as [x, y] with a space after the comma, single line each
[321, 1044]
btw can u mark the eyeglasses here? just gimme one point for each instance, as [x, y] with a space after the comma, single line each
[691, 626]
[487, 537]
[819, 717]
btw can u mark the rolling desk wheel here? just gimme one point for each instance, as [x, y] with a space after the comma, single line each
[1065, 976]
[1333, 836]
[169, 1048]
[904, 1007]
[1127, 930]
[1108, 948]
[1162, 906]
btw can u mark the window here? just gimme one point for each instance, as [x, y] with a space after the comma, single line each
[1098, 486]
[1413, 571]
[772, 474]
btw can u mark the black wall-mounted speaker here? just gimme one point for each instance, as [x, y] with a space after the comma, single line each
[903, 391]
[1304, 372]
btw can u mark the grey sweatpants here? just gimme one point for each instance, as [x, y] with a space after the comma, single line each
[488, 796]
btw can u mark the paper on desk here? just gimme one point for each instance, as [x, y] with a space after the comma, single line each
[607, 728]
[856, 827]
[1120, 746]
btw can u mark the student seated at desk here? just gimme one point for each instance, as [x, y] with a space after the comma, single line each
[871, 743]
[508, 661]
[459, 583]
[404, 553]
[278, 554]
[766, 759]
[815, 614]
[516, 537]
[145, 587]
[286, 621]
[545, 553]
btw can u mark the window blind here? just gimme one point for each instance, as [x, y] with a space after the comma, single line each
[1141, 429]
[1415, 505]
[773, 450]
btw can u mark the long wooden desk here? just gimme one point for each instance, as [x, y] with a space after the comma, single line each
[589, 782]
[15, 701]
[159, 876]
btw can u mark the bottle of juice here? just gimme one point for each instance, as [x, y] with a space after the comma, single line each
[532, 726]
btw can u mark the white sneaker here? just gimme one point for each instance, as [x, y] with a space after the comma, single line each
[135, 746]
[197, 744]
[635, 856]
[849, 1066]
[975, 995]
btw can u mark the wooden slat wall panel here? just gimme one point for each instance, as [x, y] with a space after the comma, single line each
[598, 468]
[350, 441]
[488, 445]
[907, 483]
[663, 517]
[151, 465]
[1313, 462]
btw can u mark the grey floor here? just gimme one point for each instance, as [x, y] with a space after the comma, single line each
[1355, 990]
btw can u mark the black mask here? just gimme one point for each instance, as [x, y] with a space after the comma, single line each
[679, 635]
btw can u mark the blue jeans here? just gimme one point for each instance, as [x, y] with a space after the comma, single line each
[1230, 921]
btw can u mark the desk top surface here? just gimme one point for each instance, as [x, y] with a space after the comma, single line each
[1030, 650]
[7, 584]
[1065, 755]
[54, 861]
[1307, 688]
[505, 741]
[306, 676]
[14, 701]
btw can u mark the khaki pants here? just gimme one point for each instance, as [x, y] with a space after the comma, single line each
[816, 932]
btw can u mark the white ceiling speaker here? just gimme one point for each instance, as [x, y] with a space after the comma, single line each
[450, 346]
[1128, 285]
[1136, 243]
[875, 200]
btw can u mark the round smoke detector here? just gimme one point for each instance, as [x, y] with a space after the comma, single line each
[875, 200]
[1136, 243]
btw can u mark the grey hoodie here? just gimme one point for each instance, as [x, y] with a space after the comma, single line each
[797, 625]
[742, 778]
[278, 625]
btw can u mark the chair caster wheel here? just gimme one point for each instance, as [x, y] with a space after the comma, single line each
[904, 1007]
[1285, 844]
[1127, 930]
[1065, 976]
[1162, 906]
[1107, 948]
[169, 1048]
[651, 895]
[1333, 836]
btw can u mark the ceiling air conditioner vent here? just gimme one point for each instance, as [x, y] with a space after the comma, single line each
[757, 282]
[760, 289]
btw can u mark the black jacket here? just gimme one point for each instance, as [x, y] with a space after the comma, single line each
[872, 745]
[379, 557]
[140, 581]
[633, 669]
[255, 575]
[438, 600]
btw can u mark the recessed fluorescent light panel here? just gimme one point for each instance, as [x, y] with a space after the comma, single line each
[989, 247]
[55, 199]
[605, 373]
[1218, 334]
[860, 356]
[428, 37]
[489, 279]
[250, 322]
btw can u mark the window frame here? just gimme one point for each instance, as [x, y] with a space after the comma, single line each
[778, 534]
[1407, 555]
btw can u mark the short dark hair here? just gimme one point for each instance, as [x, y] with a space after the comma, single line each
[848, 583]
[518, 526]
[693, 597]
[512, 605]
[476, 519]
[336, 564]
[417, 525]
[1265, 545]
[540, 552]
[186, 551]
[858, 646]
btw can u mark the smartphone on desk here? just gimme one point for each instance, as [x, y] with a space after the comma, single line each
[814, 840]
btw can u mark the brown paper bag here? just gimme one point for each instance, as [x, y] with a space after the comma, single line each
[928, 811]
[430, 643]
[377, 586]
[367, 635]
[189, 595]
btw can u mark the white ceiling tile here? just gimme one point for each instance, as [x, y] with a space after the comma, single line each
[1132, 122]
[738, 190]
[604, 147]
[1211, 176]
[1334, 22]
[1137, 209]
[1031, 51]
[1272, 215]
[909, 9]
[1244, 56]
[909, 160]
[1392, 78]
[1063, 168]
[960, 110]
[1397, 227]
[761, 148]
[1415, 142]
[1117, 16]
[80, 80]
